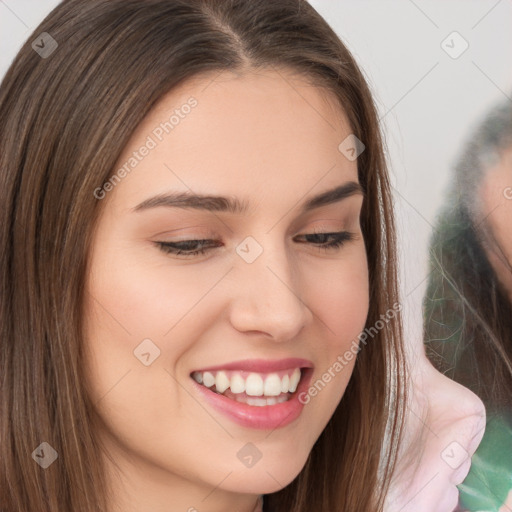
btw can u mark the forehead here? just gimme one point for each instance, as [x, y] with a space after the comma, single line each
[258, 134]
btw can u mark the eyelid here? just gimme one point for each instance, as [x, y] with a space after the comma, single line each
[210, 235]
[337, 240]
[197, 230]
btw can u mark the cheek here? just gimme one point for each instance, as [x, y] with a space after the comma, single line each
[341, 297]
[128, 310]
[131, 297]
[500, 225]
[125, 305]
[497, 212]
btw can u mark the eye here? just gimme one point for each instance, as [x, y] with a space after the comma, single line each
[188, 247]
[323, 241]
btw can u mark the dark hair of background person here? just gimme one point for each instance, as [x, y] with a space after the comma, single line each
[65, 121]
[467, 312]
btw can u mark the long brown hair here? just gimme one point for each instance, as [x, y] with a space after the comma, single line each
[65, 120]
[468, 315]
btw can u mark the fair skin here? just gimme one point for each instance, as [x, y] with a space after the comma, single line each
[495, 214]
[255, 138]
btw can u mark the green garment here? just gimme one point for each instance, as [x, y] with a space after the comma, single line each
[490, 479]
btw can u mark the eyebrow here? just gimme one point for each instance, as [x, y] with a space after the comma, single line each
[232, 205]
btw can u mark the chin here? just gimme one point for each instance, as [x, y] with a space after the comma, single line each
[266, 479]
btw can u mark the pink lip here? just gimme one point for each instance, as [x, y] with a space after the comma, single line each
[261, 365]
[266, 417]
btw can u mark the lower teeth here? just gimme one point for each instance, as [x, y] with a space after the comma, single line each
[261, 402]
[258, 401]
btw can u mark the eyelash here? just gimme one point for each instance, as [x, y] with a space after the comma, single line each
[176, 248]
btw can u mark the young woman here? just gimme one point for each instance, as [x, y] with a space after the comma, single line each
[468, 307]
[196, 226]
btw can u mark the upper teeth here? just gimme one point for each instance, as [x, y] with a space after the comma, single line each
[254, 384]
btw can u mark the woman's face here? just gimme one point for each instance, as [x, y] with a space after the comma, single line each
[495, 215]
[266, 302]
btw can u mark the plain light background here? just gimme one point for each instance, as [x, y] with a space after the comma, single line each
[428, 100]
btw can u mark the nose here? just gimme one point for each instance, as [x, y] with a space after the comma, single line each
[269, 296]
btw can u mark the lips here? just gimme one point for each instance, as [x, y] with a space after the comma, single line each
[256, 393]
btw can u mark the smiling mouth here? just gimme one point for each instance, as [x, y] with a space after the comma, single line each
[252, 388]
